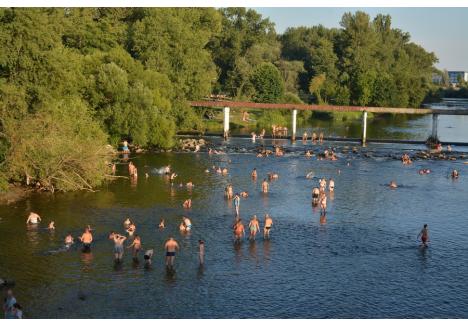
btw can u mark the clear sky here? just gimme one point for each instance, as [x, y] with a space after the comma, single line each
[443, 31]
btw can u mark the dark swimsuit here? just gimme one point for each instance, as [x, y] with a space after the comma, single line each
[170, 254]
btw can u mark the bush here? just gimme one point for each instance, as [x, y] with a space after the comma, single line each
[60, 146]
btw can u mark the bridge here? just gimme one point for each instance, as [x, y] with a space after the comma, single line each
[226, 105]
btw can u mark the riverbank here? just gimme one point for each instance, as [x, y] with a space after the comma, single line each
[13, 194]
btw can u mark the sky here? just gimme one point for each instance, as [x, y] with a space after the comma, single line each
[443, 31]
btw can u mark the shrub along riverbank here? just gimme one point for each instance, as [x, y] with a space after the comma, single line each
[73, 80]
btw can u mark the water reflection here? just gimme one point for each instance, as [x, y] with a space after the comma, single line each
[323, 219]
[33, 234]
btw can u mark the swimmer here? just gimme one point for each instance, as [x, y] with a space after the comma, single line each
[308, 154]
[323, 184]
[393, 185]
[189, 184]
[321, 137]
[225, 171]
[239, 230]
[172, 177]
[323, 203]
[268, 225]
[51, 226]
[314, 137]
[33, 218]
[273, 176]
[187, 223]
[118, 245]
[148, 255]
[449, 148]
[265, 186]
[331, 185]
[136, 244]
[171, 246]
[315, 196]
[182, 227]
[455, 174]
[86, 238]
[236, 201]
[254, 136]
[127, 223]
[304, 136]
[207, 171]
[187, 203]
[424, 235]
[69, 240]
[244, 194]
[161, 224]
[201, 251]
[254, 227]
[131, 229]
[254, 173]
[310, 175]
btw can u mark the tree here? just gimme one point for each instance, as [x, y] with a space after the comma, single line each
[268, 84]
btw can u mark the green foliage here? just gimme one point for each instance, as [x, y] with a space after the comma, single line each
[268, 84]
[60, 146]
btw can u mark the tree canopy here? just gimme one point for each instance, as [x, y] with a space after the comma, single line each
[128, 73]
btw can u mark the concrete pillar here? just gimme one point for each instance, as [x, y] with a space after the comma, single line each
[294, 124]
[364, 127]
[226, 122]
[435, 125]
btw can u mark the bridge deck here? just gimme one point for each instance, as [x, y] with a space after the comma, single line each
[326, 108]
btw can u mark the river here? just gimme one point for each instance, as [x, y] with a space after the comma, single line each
[363, 261]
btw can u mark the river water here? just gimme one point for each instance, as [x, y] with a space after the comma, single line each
[361, 261]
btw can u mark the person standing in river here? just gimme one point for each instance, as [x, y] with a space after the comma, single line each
[136, 244]
[239, 230]
[33, 218]
[8, 305]
[236, 201]
[268, 225]
[254, 227]
[265, 186]
[118, 246]
[424, 235]
[171, 246]
[254, 174]
[86, 238]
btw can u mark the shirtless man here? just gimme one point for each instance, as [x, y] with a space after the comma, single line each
[321, 137]
[33, 218]
[51, 226]
[118, 245]
[254, 174]
[161, 224]
[265, 186]
[229, 191]
[323, 202]
[455, 174]
[114, 168]
[308, 154]
[187, 203]
[254, 227]
[304, 136]
[323, 184]
[393, 185]
[239, 230]
[236, 201]
[314, 137]
[331, 185]
[315, 196]
[131, 168]
[424, 235]
[244, 194]
[171, 246]
[86, 238]
[136, 244]
[267, 228]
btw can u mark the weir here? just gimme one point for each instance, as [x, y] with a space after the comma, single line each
[226, 105]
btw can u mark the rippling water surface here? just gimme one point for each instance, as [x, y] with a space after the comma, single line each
[363, 261]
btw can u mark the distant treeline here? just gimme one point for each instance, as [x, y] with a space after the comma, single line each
[75, 79]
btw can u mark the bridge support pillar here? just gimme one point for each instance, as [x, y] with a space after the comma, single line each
[435, 125]
[294, 125]
[226, 122]
[364, 127]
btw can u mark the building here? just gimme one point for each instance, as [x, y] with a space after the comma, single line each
[454, 76]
